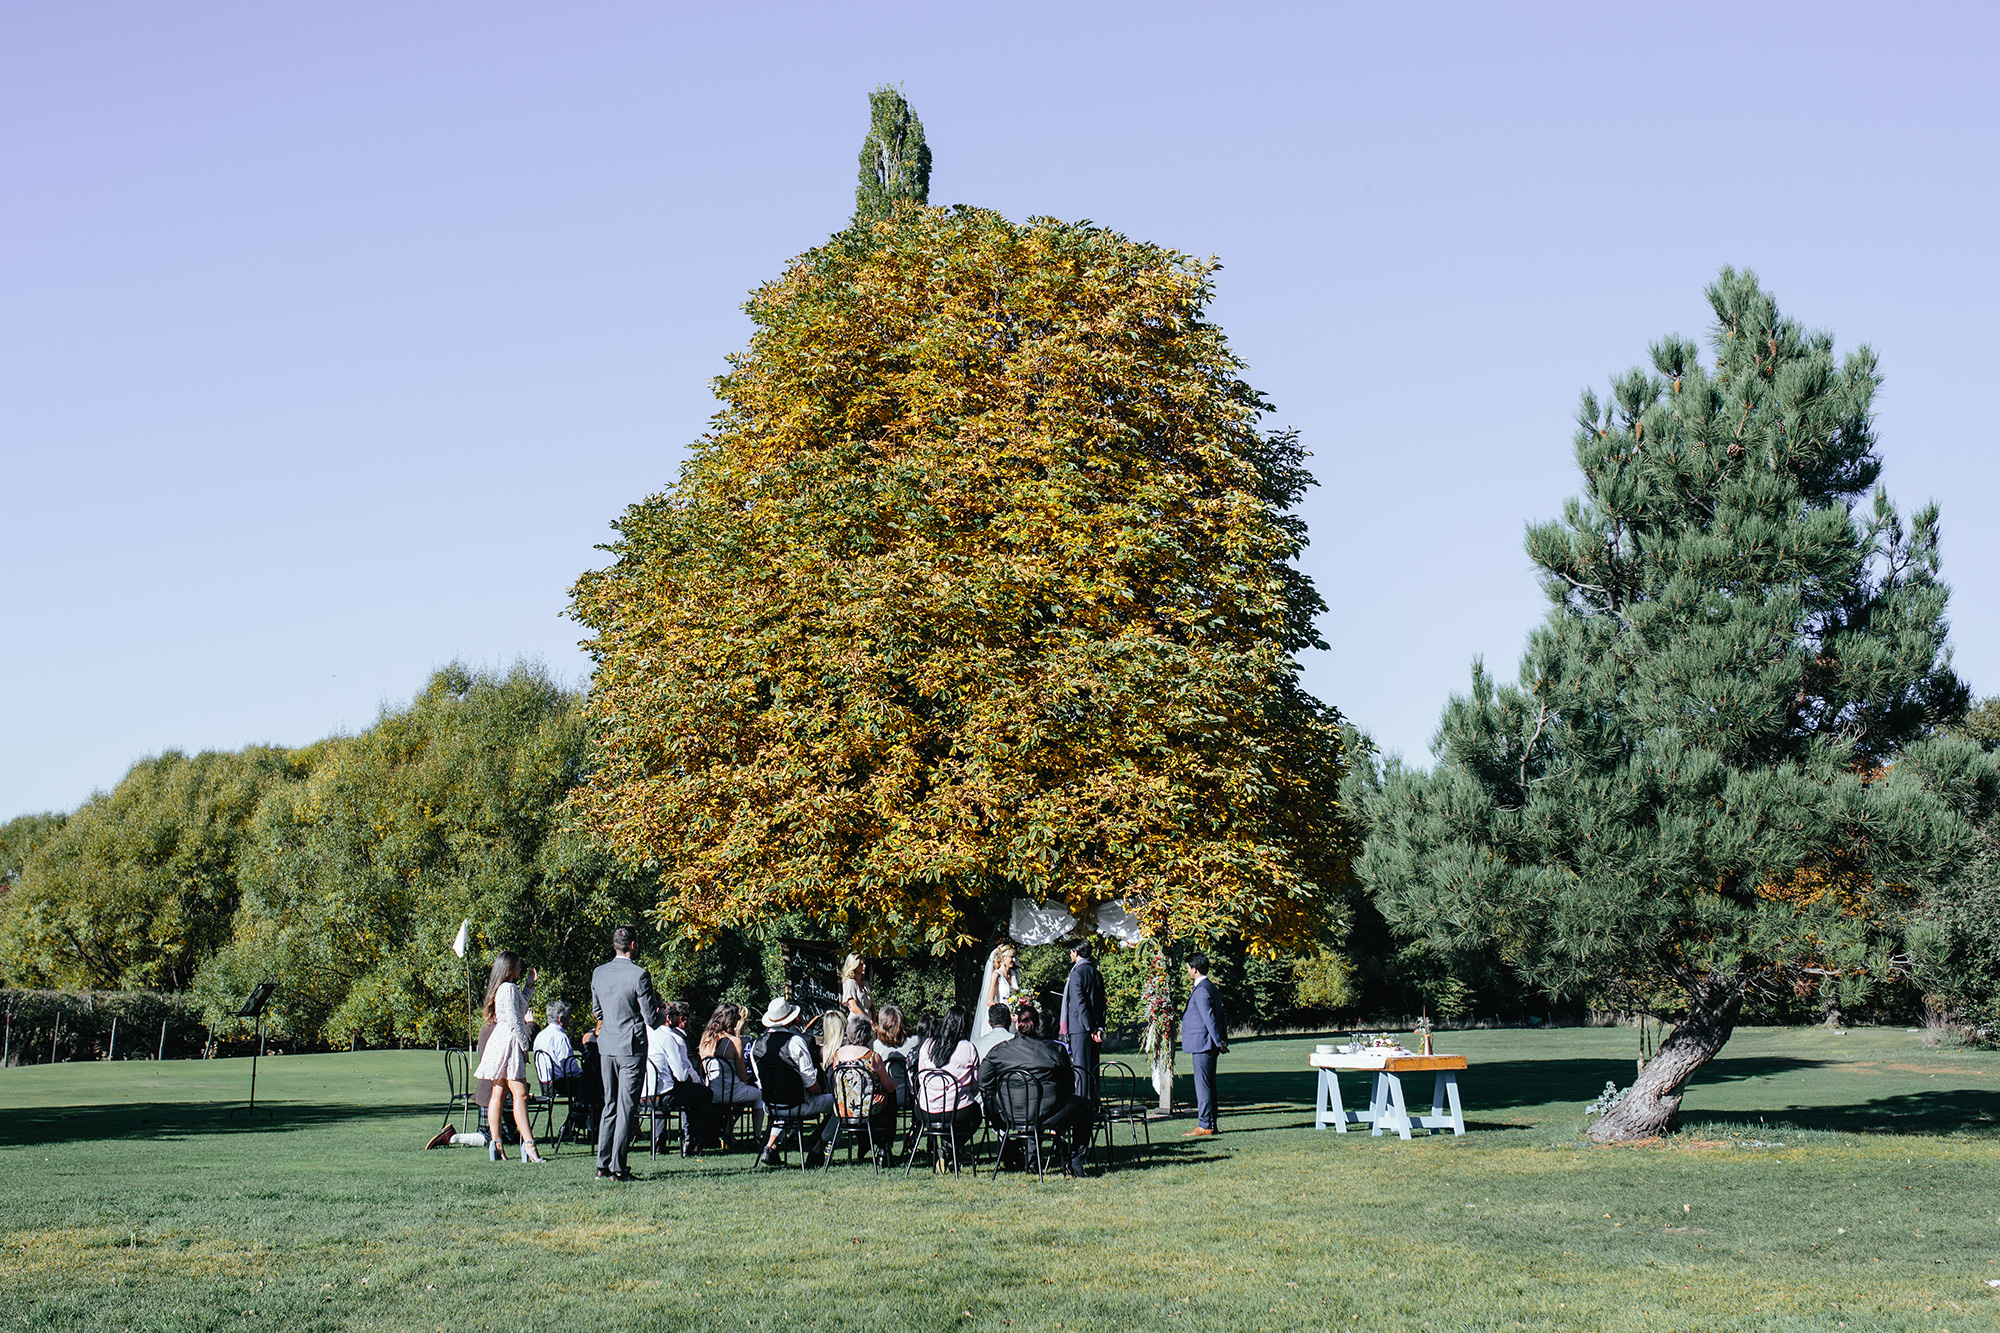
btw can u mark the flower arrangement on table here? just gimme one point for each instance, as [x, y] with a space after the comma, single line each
[1368, 1043]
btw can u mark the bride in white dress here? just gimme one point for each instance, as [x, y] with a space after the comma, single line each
[997, 985]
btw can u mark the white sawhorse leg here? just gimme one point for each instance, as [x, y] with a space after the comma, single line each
[1330, 1110]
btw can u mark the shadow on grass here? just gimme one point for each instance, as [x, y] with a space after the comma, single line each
[144, 1120]
[1956, 1111]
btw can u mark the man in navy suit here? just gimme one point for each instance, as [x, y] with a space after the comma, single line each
[1202, 1037]
[1082, 1027]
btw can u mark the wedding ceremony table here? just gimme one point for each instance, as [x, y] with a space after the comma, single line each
[1386, 1106]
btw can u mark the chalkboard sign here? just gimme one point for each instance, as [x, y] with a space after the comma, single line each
[812, 975]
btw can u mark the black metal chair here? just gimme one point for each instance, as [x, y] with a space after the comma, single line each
[855, 1088]
[557, 1081]
[928, 1128]
[1122, 1104]
[724, 1085]
[659, 1117]
[787, 1118]
[1020, 1106]
[461, 1089]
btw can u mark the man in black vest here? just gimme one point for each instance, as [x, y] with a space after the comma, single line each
[1047, 1067]
[788, 1073]
[1083, 1018]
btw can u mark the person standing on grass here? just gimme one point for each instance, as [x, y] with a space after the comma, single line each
[621, 995]
[1204, 1038]
[1083, 1018]
[504, 1060]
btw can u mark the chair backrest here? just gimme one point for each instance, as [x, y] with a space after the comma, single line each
[457, 1074]
[720, 1075]
[776, 1075]
[938, 1093]
[854, 1089]
[1020, 1100]
[549, 1071]
[1127, 1082]
[898, 1065]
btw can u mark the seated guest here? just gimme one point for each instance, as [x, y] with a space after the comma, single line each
[672, 1081]
[553, 1054]
[898, 1049]
[948, 1049]
[730, 1081]
[1047, 1066]
[553, 1041]
[788, 1074]
[857, 1048]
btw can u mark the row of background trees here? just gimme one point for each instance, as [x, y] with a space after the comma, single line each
[345, 868]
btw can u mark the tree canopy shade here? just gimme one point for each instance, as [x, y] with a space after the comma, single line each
[895, 160]
[980, 585]
[1692, 784]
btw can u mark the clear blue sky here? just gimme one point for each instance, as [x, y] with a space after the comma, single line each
[332, 336]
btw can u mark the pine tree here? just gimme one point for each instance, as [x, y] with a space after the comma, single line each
[1693, 788]
[895, 161]
[981, 585]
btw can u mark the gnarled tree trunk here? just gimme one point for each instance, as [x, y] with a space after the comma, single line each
[1654, 1102]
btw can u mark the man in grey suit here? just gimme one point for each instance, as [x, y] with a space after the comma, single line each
[621, 995]
[1203, 1037]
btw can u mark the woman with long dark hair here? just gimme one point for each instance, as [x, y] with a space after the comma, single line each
[730, 1083]
[949, 1049]
[505, 1058]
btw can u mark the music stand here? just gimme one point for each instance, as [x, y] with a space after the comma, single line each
[254, 1008]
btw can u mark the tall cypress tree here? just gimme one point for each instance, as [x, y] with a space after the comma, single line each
[895, 160]
[1692, 787]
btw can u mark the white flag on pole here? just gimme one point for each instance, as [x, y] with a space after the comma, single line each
[464, 940]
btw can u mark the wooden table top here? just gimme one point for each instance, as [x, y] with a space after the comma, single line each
[1394, 1064]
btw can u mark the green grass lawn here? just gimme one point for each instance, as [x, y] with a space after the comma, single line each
[1821, 1182]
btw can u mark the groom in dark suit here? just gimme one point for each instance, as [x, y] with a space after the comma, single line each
[1204, 1038]
[1083, 1019]
[621, 995]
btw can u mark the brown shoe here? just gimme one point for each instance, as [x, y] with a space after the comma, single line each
[1199, 1133]
[442, 1137]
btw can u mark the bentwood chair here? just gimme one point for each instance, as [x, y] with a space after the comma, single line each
[1121, 1101]
[461, 1090]
[784, 1102]
[1020, 1105]
[557, 1081]
[726, 1087]
[936, 1131]
[856, 1116]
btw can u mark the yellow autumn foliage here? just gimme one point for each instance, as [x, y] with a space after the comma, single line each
[981, 584]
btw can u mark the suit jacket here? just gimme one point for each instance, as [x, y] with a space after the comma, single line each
[1083, 1001]
[1045, 1062]
[1201, 1025]
[621, 995]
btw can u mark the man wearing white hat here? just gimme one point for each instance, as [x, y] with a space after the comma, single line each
[788, 1075]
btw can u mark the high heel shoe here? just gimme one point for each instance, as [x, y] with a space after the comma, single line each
[529, 1157]
[495, 1153]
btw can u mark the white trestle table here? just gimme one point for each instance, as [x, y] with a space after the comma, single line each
[1386, 1106]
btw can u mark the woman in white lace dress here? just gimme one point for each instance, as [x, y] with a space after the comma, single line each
[997, 985]
[505, 1059]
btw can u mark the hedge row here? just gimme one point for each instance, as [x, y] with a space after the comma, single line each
[42, 1025]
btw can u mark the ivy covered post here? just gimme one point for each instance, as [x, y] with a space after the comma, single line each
[1162, 1018]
